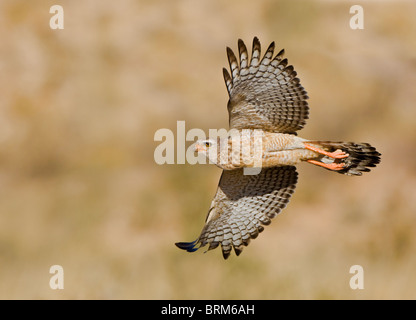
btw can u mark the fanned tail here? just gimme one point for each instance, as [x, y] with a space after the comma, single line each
[358, 158]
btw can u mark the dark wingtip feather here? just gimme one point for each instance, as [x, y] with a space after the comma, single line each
[188, 246]
[231, 56]
[225, 254]
[238, 250]
[271, 47]
[284, 62]
[256, 44]
[226, 74]
[228, 81]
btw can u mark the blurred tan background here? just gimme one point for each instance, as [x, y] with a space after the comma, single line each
[79, 186]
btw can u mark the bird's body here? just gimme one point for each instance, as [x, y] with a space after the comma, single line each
[267, 106]
[241, 149]
[250, 148]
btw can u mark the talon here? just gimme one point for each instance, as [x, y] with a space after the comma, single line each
[331, 166]
[338, 154]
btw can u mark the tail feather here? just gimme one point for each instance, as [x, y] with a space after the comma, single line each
[362, 156]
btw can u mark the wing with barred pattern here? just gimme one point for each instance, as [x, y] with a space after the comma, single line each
[241, 207]
[264, 93]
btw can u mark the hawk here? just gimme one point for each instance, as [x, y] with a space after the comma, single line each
[267, 106]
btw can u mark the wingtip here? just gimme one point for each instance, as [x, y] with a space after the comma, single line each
[238, 250]
[225, 254]
[228, 80]
[188, 246]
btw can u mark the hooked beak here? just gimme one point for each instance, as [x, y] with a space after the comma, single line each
[199, 148]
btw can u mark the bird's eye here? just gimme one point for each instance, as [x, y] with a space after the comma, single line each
[208, 144]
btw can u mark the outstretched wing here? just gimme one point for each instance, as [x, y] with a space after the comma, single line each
[241, 207]
[264, 94]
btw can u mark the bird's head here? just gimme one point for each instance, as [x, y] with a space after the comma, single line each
[207, 148]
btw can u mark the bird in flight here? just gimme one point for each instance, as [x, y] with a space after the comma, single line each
[267, 106]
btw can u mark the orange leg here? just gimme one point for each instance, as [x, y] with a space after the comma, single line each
[338, 154]
[330, 166]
